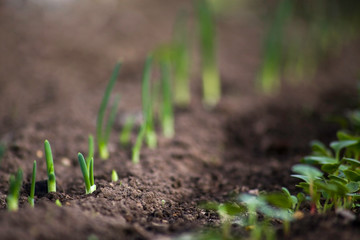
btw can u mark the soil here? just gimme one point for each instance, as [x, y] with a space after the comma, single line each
[55, 62]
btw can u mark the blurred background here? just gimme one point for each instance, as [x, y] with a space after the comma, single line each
[56, 56]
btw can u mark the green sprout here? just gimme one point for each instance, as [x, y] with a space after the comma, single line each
[180, 62]
[32, 188]
[167, 114]
[51, 183]
[114, 176]
[147, 127]
[309, 174]
[210, 72]
[125, 134]
[14, 192]
[88, 173]
[103, 132]
[138, 144]
[147, 102]
[269, 77]
[58, 203]
[90, 149]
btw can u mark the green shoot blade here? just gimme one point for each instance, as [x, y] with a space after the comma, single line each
[114, 176]
[100, 134]
[145, 87]
[14, 191]
[91, 172]
[91, 150]
[138, 143]
[125, 134]
[167, 110]
[180, 60]
[84, 172]
[111, 119]
[58, 203]
[210, 73]
[147, 104]
[50, 167]
[32, 189]
[268, 80]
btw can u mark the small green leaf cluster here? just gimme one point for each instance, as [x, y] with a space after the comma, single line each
[88, 173]
[255, 214]
[331, 176]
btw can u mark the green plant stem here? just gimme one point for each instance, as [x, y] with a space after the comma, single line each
[90, 149]
[167, 109]
[32, 189]
[210, 73]
[51, 183]
[138, 143]
[85, 173]
[150, 134]
[101, 134]
[114, 176]
[125, 134]
[14, 191]
[180, 61]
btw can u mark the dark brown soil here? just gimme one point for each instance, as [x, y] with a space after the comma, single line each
[54, 66]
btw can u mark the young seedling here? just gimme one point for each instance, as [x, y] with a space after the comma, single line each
[58, 203]
[210, 73]
[51, 183]
[32, 188]
[103, 132]
[138, 144]
[269, 77]
[167, 114]
[147, 101]
[87, 174]
[180, 62]
[114, 176]
[125, 134]
[91, 150]
[309, 174]
[147, 127]
[14, 191]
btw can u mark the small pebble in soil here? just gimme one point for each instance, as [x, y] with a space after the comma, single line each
[66, 162]
[298, 215]
[39, 154]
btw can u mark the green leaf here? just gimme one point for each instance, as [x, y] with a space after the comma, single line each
[301, 197]
[85, 172]
[305, 186]
[339, 145]
[339, 179]
[279, 200]
[302, 177]
[332, 188]
[100, 131]
[330, 168]
[319, 160]
[308, 171]
[353, 186]
[352, 162]
[231, 209]
[320, 149]
[341, 135]
[352, 175]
